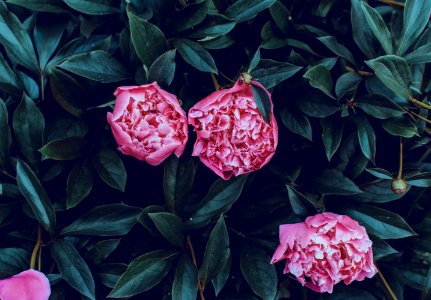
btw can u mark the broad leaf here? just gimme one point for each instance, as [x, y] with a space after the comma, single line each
[334, 182]
[400, 126]
[5, 137]
[320, 78]
[170, 226]
[54, 6]
[331, 135]
[366, 137]
[65, 149]
[421, 55]
[185, 283]
[362, 35]
[189, 16]
[9, 81]
[101, 250]
[263, 101]
[79, 183]
[269, 73]
[379, 106]
[297, 123]
[243, 10]
[196, 55]
[162, 69]
[13, 261]
[93, 7]
[380, 173]
[347, 84]
[301, 205]
[337, 48]
[110, 168]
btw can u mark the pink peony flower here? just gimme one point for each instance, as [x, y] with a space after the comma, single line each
[232, 136]
[325, 249]
[148, 123]
[27, 285]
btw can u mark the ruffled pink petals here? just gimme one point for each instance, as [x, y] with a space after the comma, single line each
[325, 249]
[27, 285]
[232, 136]
[148, 123]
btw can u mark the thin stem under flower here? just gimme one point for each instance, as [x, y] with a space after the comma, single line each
[36, 248]
[217, 86]
[192, 253]
[391, 2]
[387, 286]
[400, 169]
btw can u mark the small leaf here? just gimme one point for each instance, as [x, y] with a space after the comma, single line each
[362, 35]
[320, 78]
[170, 226]
[377, 192]
[380, 173]
[416, 18]
[258, 272]
[221, 278]
[143, 273]
[16, 40]
[300, 204]
[366, 137]
[185, 283]
[65, 149]
[73, 268]
[47, 38]
[381, 248]
[297, 123]
[380, 222]
[188, 16]
[5, 137]
[419, 180]
[101, 250]
[54, 6]
[254, 61]
[337, 48]
[96, 65]
[378, 26]
[394, 72]
[243, 10]
[331, 135]
[29, 131]
[105, 220]
[269, 73]
[79, 183]
[217, 252]
[162, 69]
[148, 40]
[196, 55]
[421, 55]
[214, 25]
[281, 15]
[93, 7]
[109, 273]
[9, 81]
[379, 106]
[400, 126]
[317, 105]
[35, 195]
[347, 83]
[110, 168]
[263, 101]
[334, 182]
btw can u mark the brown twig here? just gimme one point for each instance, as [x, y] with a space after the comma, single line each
[359, 72]
[217, 86]
[400, 169]
[391, 2]
[386, 284]
[192, 253]
[414, 115]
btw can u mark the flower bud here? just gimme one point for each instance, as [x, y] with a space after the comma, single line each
[399, 186]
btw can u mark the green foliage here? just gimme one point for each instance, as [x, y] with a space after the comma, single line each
[349, 80]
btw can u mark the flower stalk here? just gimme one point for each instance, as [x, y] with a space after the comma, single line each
[37, 250]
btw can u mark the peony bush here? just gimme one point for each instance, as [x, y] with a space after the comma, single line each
[208, 149]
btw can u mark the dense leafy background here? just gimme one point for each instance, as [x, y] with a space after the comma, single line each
[348, 80]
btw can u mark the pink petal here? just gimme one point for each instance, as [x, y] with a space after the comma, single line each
[27, 285]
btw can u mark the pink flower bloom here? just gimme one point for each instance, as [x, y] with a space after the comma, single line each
[232, 136]
[148, 123]
[325, 249]
[27, 285]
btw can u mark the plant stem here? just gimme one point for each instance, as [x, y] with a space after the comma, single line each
[192, 253]
[36, 248]
[385, 283]
[420, 104]
[400, 170]
[413, 114]
[391, 2]
[217, 86]
[227, 78]
[362, 73]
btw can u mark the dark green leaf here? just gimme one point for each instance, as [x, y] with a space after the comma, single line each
[297, 123]
[196, 55]
[221, 278]
[55, 6]
[347, 83]
[65, 149]
[29, 131]
[177, 182]
[102, 250]
[334, 182]
[148, 40]
[421, 55]
[105, 220]
[258, 272]
[381, 248]
[378, 191]
[47, 38]
[426, 291]
[189, 16]
[221, 196]
[170, 226]
[143, 273]
[185, 283]
[331, 135]
[93, 7]
[362, 35]
[419, 180]
[366, 137]
[243, 10]
[9, 82]
[337, 48]
[378, 26]
[109, 273]
[13, 261]
[5, 137]
[263, 101]
[217, 252]
[146, 221]
[379, 106]
[269, 73]
[79, 183]
[162, 70]
[96, 65]
[400, 126]
[317, 105]
[380, 173]
[380, 222]
[301, 205]
[73, 268]
[220, 42]
[110, 168]
[281, 15]
[320, 78]
[416, 18]
[394, 72]
[35, 195]
[254, 61]
[16, 39]
[213, 26]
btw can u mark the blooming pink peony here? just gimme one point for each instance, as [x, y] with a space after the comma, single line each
[148, 123]
[27, 285]
[324, 250]
[232, 136]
